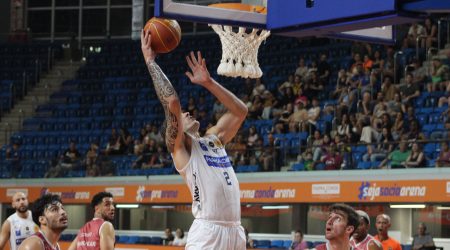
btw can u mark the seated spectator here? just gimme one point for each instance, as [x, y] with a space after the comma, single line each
[316, 143]
[269, 155]
[237, 149]
[302, 69]
[341, 83]
[259, 88]
[256, 108]
[146, 152]
[126, 141]
[168, 237]
[155, 135]
[414, 132]
[422, 240]
[410, 91]
[439, 75]
[431, 33]
[70, 160]
[395, 106]
[12, 155]
[396, 158]
[419, 72]
[180, 238]
[299, 116]
[298, 243]
[324, 69]
[378, 62]
[443, 160]
[367, 63]
[398, 126]
[253, 136]
[331, 159]
[380, 151]
[416, 158]
[416, 30]
[218, 107]
[269, 105]
[114, 146]
[297, 85]
[311, 71]
[159, 159]
[91, 160]
[287, 84]
[344, 128]
[313, 114]
[256, 152]
[388, 89]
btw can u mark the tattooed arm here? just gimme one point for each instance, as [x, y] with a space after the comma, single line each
[174, 135]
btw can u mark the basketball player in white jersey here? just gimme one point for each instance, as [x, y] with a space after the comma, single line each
[19, 225]
[361, 239]
[202, 161]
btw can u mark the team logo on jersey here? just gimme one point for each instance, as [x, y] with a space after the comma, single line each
[203, 146]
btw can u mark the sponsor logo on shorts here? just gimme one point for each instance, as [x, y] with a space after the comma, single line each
[370, 190]
[326, 189]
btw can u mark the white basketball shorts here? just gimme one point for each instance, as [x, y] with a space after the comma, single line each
[212, 235]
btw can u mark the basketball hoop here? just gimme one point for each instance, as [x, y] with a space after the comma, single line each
[239, 49]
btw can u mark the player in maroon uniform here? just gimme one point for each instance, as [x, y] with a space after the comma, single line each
[98, 234]
[49, 214]
[342, 222]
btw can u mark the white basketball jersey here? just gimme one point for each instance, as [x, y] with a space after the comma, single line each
[212, 181]
[20, 229]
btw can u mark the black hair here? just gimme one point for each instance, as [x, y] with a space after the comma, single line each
[98, 198]
[182, 233]
[299, 231]
[352, 216]
[39, 205]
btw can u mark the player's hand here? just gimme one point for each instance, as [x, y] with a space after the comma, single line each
[199, 73]
[146, 41]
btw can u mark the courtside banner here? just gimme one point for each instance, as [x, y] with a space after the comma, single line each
[272, 192]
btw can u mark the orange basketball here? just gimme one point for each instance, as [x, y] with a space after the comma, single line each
[166, 34]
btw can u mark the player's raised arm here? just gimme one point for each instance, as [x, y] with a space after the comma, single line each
[228, 125]
[166, 94]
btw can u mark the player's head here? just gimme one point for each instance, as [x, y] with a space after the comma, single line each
[383, 223]
[20, 202]
[103, 205]
[364, 225]
[342, 222]
[190, 125]
[48, 212]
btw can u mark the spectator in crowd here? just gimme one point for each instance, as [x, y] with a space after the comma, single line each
[218, 107]
[313, 114]
[252, 137]
[344, 128]
[367, 63]
[384, 146]
[388, 89]
[13, 155]
[259, 88]
[356, 62]
[431, 33]
[341, 84]
[398, 126]
[332, 159]
[439, 74]
[396, 158]
[299, 116]
[416, 30]
[416, 158]
[155, 135]
[168, 236]
[269, 155]
[298, 243]
[256, 109]
[302, 69]
[341, 223]
[126, 141]
[422, 240]
[410, 91]
[91, 160]
[238, 149]
[70, 159]
[361, 48]
[115, 144]
[159, 159]
[269, 105]
[414, 132]
[443, 160]
[311, 70]
[297, 85]
[383, 223]
[419, 72]
[377, 62]
[180, 239]
[324, 69]
[361, 239]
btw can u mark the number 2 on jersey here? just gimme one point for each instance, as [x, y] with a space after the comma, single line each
[227, 178]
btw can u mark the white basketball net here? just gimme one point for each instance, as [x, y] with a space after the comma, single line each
[239, 51]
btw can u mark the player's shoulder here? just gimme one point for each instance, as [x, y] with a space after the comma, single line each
[31, 243]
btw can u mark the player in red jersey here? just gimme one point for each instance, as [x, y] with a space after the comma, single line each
[361, 239]
[98, 234]
[49, 214]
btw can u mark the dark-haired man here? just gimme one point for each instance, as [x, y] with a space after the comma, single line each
[342, 222]
[19, 225]
[49, 214]
[98, 234]
[361, 240]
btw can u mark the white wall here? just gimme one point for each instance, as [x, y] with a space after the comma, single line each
[76, 215]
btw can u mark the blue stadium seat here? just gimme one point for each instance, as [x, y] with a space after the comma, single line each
[276, 244]
[156, 240]
[261, 243]
[287, 243]
[298, 167]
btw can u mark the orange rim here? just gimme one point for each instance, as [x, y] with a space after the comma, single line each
[241, 6]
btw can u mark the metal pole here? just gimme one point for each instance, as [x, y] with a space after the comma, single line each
[36, 71]
[24, 75]
[439, 34]
[49, 58]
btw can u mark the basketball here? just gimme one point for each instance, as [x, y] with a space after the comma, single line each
[166, 34]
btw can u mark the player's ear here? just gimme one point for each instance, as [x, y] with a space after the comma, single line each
[42, 220]
[350, 229]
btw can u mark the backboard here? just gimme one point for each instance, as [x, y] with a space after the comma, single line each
[366, 20]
